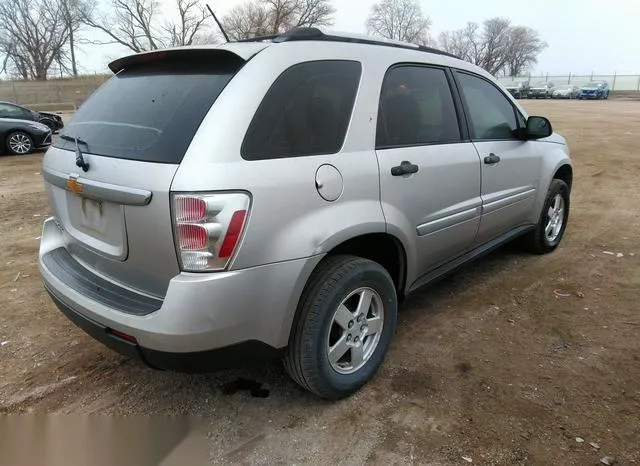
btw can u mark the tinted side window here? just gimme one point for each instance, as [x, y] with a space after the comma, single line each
[491, 114]
[416, 108]
[4, 111]
[11, 111]
[305, 112]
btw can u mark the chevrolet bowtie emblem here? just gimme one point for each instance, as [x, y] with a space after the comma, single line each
[74, 185]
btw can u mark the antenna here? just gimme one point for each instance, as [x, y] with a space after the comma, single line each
[226, 37]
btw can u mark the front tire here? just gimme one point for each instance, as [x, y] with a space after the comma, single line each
[553, 220]
[19, 143]
[346, 318]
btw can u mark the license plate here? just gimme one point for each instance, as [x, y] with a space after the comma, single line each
[92, 215]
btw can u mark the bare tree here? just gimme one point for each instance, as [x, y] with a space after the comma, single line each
[129, 23]
[400, 20]
[495, 41]
[190, 22]
[74, 11]
[247, 20]
[137, 24]
[269, 17]
[494, 46]
[463, 42]
[34, 36]
[288, 14]
[524, 47]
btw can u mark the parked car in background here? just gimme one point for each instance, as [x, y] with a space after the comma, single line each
[185, 242]
[20, 137]
[18, 112]
[566, 91]
[541, 90]
[595, 90]
[518, 89]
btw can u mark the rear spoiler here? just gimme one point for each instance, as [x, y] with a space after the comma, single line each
[231, 53]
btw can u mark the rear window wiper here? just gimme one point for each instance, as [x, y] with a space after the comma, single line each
[75, 139]
[79, 157]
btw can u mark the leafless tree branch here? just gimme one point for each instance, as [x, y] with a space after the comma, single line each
[267, 17]
[400, 20]
[34, 34]
[190, 21]
[495, 46]
[138, 24]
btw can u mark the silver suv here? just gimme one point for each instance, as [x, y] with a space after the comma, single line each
[279, 196]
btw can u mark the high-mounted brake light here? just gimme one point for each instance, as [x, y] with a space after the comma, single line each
[208, 228]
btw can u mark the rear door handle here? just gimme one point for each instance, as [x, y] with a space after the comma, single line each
[491, 159]
[405, 168]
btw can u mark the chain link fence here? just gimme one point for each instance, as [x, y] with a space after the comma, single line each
[617, 82]
[55, 94]
[68, 93]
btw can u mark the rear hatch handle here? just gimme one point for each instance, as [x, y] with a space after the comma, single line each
[97, 190]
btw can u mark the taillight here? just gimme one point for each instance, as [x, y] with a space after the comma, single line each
[208, 228]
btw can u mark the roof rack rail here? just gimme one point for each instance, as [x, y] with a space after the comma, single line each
[258, 38]
[311, 33]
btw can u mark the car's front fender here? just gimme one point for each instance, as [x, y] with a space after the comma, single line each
[555, 156]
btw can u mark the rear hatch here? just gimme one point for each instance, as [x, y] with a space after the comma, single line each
[132, 134]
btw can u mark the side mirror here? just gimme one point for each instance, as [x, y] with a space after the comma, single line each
[538, 127]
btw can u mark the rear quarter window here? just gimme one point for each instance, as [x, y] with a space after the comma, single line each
[150, 112]
[305, 112]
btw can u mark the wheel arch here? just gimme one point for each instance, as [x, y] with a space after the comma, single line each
[564, 173]
[555, 164]
[381, 247]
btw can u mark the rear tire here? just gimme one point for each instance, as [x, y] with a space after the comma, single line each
[338, 341]
[19, 143]
[552, 222]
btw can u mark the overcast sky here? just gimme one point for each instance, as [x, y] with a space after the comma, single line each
[583, 35]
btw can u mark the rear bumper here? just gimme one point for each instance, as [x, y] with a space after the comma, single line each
[248, 352]
[203, 320]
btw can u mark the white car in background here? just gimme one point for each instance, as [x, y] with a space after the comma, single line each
[566, 91]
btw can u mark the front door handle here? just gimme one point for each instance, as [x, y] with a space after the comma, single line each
[491, 159]
[405, 168]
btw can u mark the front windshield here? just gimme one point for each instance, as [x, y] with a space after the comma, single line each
[564, 87]
[594, 84]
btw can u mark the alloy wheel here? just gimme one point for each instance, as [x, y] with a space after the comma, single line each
[355, 330]
[555, 219]
[20, 143]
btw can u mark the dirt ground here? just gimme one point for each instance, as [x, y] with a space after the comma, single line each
[506, 362]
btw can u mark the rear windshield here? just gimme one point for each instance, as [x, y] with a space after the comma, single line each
[149, 113]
